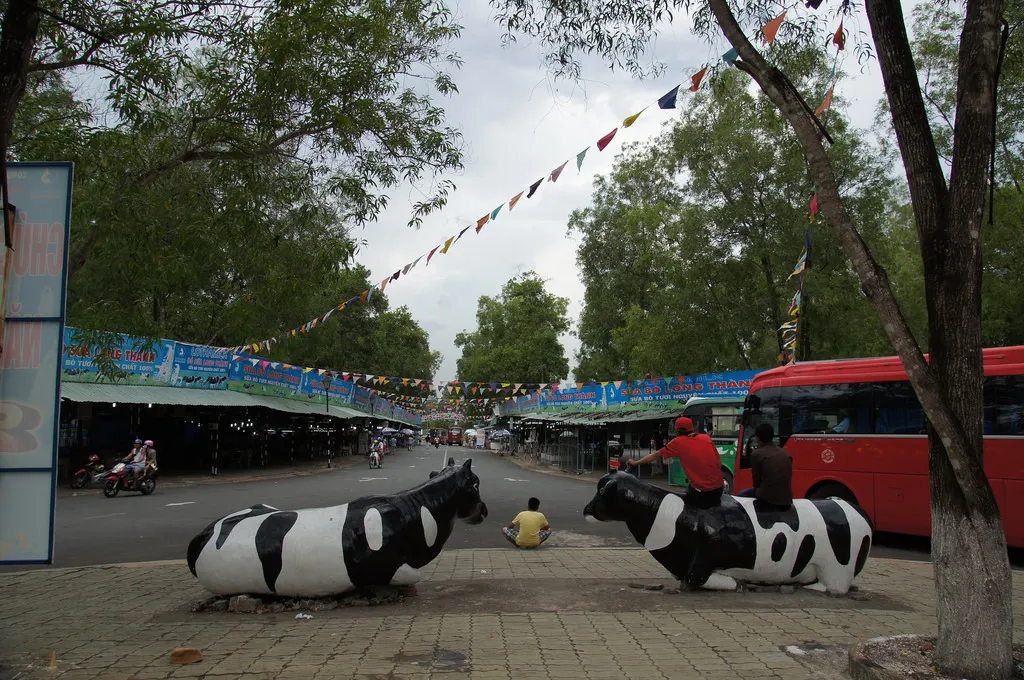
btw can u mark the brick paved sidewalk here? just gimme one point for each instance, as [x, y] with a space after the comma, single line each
[481, 615]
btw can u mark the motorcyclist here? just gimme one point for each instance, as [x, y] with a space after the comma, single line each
[150, 453]
[136, 460]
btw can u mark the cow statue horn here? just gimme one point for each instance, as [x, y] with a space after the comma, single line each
[820, 544]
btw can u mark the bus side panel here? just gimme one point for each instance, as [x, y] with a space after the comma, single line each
[859, 483]
[902, 492]
[1004, 465]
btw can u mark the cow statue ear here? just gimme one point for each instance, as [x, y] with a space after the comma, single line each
[468, 465]
[434, 473]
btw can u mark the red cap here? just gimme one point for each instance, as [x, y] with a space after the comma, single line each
[684, 424]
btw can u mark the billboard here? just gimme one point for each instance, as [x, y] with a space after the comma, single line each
[267, 378]
[199, 366]
[36, 275]
[144, 362]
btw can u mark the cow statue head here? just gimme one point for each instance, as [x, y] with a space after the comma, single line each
[469, 507]
[618, 497]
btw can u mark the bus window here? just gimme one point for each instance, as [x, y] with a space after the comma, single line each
[723, 421]
[764, 406]
[897, 410]
[831, 409]
[1004, 405]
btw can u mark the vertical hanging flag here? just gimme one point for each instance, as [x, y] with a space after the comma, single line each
[579, 158]
[839, 39]
[447, 245]
[362, 298]
[481, 222]
[384, 284]
[697, 78]
[731, 56]
[772, 27]
[668, 100]
[826, 104]
[369, 294]
[606, 140]
[512, 203]
[557, 171]
[432, 253]
[632, 119]
[533, 188]
[814, 207]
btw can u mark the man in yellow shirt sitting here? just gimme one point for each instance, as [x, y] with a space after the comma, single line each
[530, 528]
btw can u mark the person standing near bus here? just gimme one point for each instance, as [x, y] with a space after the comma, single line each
[772, 469]
[700, 460]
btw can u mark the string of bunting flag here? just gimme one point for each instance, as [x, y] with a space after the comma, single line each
[769, 32]
[666, 101]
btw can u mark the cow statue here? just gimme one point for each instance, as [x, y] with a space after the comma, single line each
[315, 552]
[821, 544]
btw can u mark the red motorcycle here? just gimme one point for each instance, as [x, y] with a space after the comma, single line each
[94, 471]
[121, 478]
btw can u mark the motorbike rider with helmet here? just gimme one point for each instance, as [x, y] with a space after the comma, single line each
[150, 452]
[136, 460]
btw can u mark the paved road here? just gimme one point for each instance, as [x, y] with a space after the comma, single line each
[92, 529]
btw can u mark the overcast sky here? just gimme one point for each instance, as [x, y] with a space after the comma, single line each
[518, 127]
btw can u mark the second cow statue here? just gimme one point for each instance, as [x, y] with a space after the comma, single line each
[315, 552]
[820, 544]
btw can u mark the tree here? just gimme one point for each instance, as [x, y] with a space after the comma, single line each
[223, 83]
[709, 206]
[969, 546]
[517, 335]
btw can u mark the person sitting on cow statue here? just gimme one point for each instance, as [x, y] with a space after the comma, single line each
[700, 460]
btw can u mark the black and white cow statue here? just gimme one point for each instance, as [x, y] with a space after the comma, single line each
[314, 552]
[821, 544]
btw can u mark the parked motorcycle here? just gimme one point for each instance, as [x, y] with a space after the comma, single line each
[94, 471]
[121, 478]
[375, 461]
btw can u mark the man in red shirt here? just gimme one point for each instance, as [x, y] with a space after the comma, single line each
[700, 460]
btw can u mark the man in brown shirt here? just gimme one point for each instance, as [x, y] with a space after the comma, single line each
[772, 469]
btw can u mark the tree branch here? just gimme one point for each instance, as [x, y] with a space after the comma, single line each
[872, 276]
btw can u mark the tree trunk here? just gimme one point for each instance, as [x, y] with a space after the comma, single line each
[773, 298]
[17, 40]
[973, 581]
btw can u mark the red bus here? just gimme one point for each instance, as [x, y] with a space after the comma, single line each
[856, 430]
[455, 436]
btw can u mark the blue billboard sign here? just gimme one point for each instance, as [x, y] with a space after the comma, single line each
[200, 366]
[144, 362]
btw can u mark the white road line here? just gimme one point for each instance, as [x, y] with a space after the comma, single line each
[509, 479]
[171, 505]
[113, 514]
[371, 479]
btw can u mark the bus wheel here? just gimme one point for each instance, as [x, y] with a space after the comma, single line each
[727, 476]
[832, 489]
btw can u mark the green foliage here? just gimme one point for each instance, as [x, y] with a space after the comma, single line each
[517, 335]
[687, 247]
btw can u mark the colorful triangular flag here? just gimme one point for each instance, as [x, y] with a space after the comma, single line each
[533, 188]
[557, 171]
[632, 119]
[731, 56]
[494, 213]
[579, 158]
[481, 222]
[668, 100]
[432, 254]
[696, 79]
[512, 203]
[447, 245]
[772, 27]
[606, 140]
[826, 104]
[839, 39]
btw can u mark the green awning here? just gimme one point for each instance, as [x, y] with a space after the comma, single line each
[183, 396]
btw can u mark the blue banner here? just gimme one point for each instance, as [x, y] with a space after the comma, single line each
[198, 366]
[144, 363]
[268, 378]
[312, 389]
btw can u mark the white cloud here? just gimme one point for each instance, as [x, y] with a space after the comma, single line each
[518, 126]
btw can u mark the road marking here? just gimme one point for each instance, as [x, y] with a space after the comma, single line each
[371, 479]
[113, 514]
[170, 505]
[412, 466]
[509, 479]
